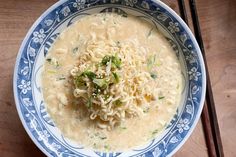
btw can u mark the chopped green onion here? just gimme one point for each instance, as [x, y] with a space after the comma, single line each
[158, 64]
[75, 49]
[49, 60]
[154, 76]
[116, 77]
[155, 132]
[103, 137]
[106, 96]
[102, 83]
[161, 97]
[177, 86]
[146, 110]
[118, 103]
[91, 75]
[53, 61]
[79, 81]
[124, 15]
[105, 60]
[116, 62]
[95, 145]
[123, 127]
[107, 147]
[61, 78]
[51, 72]
[99, 83]
[57, 64]
[89, 102]
[151, 61]
[97, 90]
[150, 32]
[118, 43]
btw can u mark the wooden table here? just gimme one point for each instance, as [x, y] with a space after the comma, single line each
[217, 20]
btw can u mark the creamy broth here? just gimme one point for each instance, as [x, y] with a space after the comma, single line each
[72, 119]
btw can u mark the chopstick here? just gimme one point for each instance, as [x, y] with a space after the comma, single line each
[209, 117]
[209, 96]
[182, 10]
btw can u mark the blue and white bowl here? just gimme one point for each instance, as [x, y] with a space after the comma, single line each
[40, 37]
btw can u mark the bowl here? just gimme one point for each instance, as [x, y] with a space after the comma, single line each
[40, 37]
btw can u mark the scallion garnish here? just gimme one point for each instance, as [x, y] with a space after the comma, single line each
[154, 76]
[102, 83]
[161, 97]
[116, 77]
[75, 50]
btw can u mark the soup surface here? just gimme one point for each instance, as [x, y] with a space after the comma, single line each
[132, 68]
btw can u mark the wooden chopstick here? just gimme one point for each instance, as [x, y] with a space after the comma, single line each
[209, 95]
[182, 10]
[209, 117]
[208, 131]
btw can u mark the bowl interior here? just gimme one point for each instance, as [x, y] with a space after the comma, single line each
[42, 35]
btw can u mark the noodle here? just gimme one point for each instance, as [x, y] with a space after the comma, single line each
[104, 81]
[133, 92]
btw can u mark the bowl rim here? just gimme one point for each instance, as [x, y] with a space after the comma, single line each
[162, 4]
[36, 22]
[203, 70]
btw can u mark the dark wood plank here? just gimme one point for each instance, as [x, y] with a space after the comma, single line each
[219, 36]
[218, 20]
[210, 111]
[16, 17]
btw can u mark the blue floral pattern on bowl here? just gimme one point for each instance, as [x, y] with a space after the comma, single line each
[27, 86]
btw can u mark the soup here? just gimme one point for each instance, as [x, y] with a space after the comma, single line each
[111, 82]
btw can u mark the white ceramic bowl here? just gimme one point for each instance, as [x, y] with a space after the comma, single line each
[27, 75]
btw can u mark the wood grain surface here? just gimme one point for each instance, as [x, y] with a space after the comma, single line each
[218, 21]
[219, 34]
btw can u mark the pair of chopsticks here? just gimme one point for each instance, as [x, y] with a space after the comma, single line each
[209, 117]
